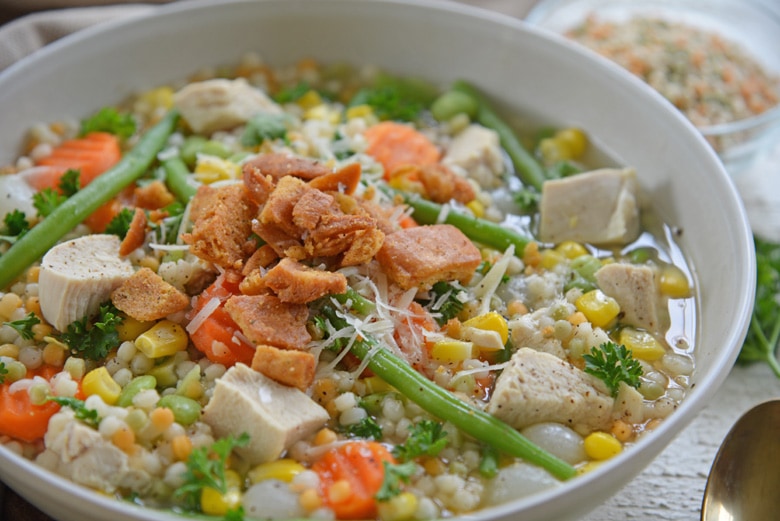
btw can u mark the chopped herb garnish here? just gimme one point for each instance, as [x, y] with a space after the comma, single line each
[206, 468]
[93, 340]
[24, 326]
[293, 93]
[16, 225]
[82, 412]
[109, 120]
[3, 372]
[426, 438]
[47, 200]
[120, 224]
[395, 474]
[70, 182]
[367, 428]
[444, 302]
[613, 364]
[264, 126]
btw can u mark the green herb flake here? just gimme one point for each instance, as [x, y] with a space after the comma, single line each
[82, 412]
[48, 200]
[24, 326]
[70, 182]
[367, 428]
[120, 223]
[395, 474]
[613, 364]
[109, 120]
[426, 438]
[263, 127]
[3, 372]
[94, 340]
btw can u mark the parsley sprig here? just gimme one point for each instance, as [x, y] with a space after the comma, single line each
[3, 372]
[613, 364]
[395, 474]
[94, 339]
[367, 428]
[445, 302]
[49, 199]
[82, 412]
[120, 223]
[24, 326]
[206, 468]
[426, 438]
[16, 225]
[109, 120]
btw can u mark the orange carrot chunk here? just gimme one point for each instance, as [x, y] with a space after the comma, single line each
[19, 418]
[91, 155]
[396, 144]
[350, 476]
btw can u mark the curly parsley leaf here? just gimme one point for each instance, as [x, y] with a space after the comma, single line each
[293, 93]
[24, 326]
[109, 120]
[395, 474]
[16, 225]
[445, 303]
[94, 339]
[82, 412]
[367, 428]
[763, 332]
[206, 468]
[235, 515]
[3, 372]
[120, 223]
[264, 126]
[426, 438]
[70, 182]
[47, 200]
[613, 364]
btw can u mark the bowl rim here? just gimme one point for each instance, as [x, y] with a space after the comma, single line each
[689, 406]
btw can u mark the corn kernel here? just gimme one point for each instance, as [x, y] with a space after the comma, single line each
[282, 469]
[359, 111]
[642, 344]
[75, 367]
[215, 503]
[550, 259]
[131, 328]
[602, 446]
[210, 169]
[374, 384]
[99, 382]
[477, 208]
[574, 140]
[571, 249]
[599, 308]
[674, 283]
[490, 321]
[310, 500]
[163, 339]
[531, 255]
[398, 508]
[149, 262]
[309, 100]
[324, 113]
[450, 350]
[160, 97]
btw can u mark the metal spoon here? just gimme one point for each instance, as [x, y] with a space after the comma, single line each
[744, 480]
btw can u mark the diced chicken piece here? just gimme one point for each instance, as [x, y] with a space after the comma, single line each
[264, 319]
[221, 104]
[636, 290]
[299, 284]
[599, 207]
[222, 225]
[286, 366]
[146, 296]
[81, 454]
[78, 275]
[539, 387]
[477, 151]
[274, 415]
[423, 255]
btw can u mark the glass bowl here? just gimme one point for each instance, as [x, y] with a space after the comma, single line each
[694, 53]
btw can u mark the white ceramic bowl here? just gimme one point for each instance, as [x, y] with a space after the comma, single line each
[518, 66]
[753, 25]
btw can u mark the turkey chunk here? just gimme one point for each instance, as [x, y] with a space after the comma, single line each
[539, 387]
[600, 207]
[477, 151]
[635, 288]
[221, 104]
[274, 415]
[78, 275]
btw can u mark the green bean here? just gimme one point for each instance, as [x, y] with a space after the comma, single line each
[186, 411]
[527, 167]
[478, 230]
[80, 205]
[195, 145]
[357, 301]
[177, 178]
[452, 103]
[441, 403]
[135, 386]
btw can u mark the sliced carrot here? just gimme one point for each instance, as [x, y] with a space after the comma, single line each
[350, 476]
[216, 336]
[396, 144]
[19, 418]
[99, 219]
[91, 155]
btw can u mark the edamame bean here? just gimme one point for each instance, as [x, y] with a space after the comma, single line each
[452, 103]
[198, 145]
[186, 411]
[135, 386]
